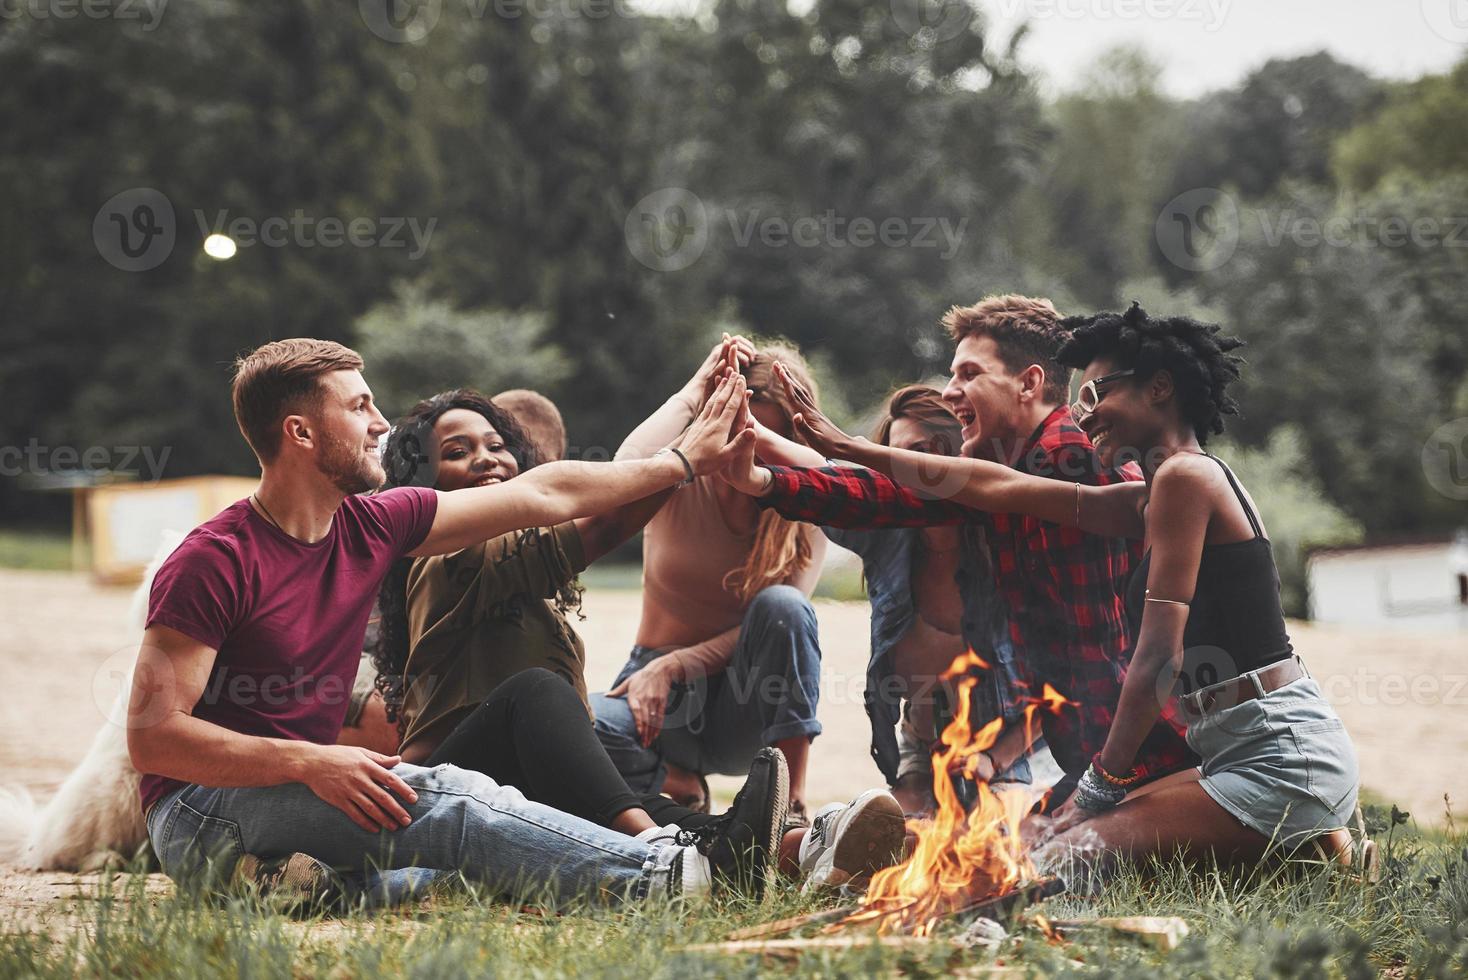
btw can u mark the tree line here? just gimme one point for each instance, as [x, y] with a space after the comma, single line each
[603, 191]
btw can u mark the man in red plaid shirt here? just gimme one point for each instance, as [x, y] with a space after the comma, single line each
[1062, 585]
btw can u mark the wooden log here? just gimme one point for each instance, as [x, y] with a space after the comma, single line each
[781, 927]
[779, 946]
[1002, 908]
[999, 907]
[790, 950]
[1162, 932]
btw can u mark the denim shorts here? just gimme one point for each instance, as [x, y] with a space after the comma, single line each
[1282, 764]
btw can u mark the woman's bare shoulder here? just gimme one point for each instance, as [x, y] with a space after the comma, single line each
[1187, 472]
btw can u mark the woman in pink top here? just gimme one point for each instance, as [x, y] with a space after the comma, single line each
[728, 658]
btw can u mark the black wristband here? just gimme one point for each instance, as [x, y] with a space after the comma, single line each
[687, 467]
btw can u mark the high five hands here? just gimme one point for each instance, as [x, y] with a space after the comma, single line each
[734, 352]
[713, 439]
[810, 423]
[746, 475]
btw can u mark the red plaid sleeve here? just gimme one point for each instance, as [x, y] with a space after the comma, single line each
[854, 497]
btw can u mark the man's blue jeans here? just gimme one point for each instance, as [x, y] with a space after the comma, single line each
[462, 821]
[768, 693]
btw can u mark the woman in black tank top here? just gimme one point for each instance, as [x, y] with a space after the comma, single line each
[1235, 607]
[1210, 640]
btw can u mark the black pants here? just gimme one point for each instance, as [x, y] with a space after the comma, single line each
[533, 733]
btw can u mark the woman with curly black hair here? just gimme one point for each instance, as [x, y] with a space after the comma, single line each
[457, 439]
[476, 644]
[480, 667]
[1278, 767]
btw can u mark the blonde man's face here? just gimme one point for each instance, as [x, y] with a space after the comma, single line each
[348, 431]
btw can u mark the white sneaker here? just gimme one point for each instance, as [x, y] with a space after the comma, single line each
[691, 874]
[851, 840]
[659, 835]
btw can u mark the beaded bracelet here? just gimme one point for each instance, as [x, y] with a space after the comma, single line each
[1131, 777]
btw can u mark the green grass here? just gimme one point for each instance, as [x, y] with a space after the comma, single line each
[843, 583]
[1301, 922]
[48, 551]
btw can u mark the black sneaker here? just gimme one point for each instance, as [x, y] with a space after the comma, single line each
[295, 884]
[742, 844]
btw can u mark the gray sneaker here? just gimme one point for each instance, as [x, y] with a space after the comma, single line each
[848, 841]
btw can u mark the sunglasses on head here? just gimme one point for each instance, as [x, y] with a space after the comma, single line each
[1090, 394]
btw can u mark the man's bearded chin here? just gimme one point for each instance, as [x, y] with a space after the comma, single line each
[351, 470]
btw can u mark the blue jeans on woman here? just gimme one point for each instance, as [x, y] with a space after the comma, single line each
[462, 821]
[767, 693]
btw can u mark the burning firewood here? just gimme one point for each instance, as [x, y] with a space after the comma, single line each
[967, 861]
[999, 907]
[965, 855]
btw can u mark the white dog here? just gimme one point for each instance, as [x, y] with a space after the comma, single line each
[94, 820]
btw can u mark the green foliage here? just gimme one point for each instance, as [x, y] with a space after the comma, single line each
[41, 550]
[1421, 132]
[418, 346]
[529, 141]
[1359, 343]
[1295, 511]
[1279, 125]
[1115, 147]
[255, 110]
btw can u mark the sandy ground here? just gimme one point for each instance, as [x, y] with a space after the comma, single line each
[1404, 697]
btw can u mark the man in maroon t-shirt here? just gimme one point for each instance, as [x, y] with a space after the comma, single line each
[254, 630]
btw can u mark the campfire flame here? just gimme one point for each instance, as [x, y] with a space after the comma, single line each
[962, 855]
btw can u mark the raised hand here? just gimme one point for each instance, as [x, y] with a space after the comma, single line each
[733, 351]
[741, 471]
[745, 418]
[819, 432]
[712, 440]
